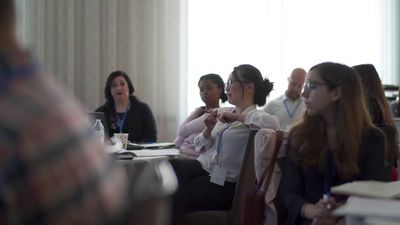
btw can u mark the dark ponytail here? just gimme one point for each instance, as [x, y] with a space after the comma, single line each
[249, 74]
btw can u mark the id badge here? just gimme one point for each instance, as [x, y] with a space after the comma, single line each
[218, 175]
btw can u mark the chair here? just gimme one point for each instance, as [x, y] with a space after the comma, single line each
[266, 163]
[245, 182]
[391, 149]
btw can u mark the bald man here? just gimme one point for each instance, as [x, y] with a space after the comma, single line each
[289, 107]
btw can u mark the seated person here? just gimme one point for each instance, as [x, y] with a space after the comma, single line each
[379, 111]
[125, 113]
[336, 142]
[212, 88]
[209, 182]
[289, 107]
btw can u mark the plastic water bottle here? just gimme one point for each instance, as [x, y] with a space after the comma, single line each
[99, 130]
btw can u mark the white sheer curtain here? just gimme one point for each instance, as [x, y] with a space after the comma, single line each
[279, 35]
[81, 41]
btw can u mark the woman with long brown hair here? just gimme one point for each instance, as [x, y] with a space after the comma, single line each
[336, 142]
[380, 113]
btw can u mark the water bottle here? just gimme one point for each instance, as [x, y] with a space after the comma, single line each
[99, 130]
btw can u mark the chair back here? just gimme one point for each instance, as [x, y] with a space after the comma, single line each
[391, 149]
[245, 181]
[269, 147]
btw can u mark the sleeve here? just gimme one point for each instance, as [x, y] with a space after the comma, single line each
[192, 124]
[373, 150]
[150, 130]
[291, 189]
[201, 144]
[269, 108]
[259, 119]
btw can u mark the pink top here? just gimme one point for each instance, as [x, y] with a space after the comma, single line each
[188, 130]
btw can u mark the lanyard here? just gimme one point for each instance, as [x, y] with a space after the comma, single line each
[219, 145]
[121, 122]
[291, 114]
[8, 73]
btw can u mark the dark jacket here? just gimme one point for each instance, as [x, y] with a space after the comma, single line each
[139, 123]
[300, 186]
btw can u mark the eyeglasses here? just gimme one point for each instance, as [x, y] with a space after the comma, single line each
[310, 85]
[229, 83]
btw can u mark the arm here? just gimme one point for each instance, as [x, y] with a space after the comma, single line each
[269, 108]
[194, 123]
[204, 140]
[259, 119]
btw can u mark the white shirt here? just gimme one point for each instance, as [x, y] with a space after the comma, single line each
[233, 141]
[287, 110]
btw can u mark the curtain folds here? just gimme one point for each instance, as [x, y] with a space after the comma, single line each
[81, 42]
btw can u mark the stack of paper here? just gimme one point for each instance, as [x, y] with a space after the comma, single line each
[375, 189]
[371, 207]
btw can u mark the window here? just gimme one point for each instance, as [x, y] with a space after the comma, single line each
[279, 35]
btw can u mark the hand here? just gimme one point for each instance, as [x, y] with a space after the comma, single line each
[228, 117]
[210, 122]
[323, 215]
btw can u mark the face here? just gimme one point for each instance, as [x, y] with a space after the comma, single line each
[295, 85]
[119, 88]
[209, 92]
[318, 99]
[234, 91]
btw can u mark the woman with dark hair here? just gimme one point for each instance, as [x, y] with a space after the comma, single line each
[209, 182]
[336, 142]
[212, 89]
[381, 116]
[125, 113]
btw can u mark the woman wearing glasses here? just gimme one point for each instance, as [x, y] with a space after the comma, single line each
[336, 142]
[208, 183]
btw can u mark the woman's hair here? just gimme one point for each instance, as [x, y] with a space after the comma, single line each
[217, 80]
[107, 89]
[309, 137]
[249, 74]
[373, 90]
[7, 12]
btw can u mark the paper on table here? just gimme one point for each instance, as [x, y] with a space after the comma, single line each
[375, 189]
[156, 152]
[161, 145]
[373, 207]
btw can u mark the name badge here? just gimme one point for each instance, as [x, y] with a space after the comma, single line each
[218, 175]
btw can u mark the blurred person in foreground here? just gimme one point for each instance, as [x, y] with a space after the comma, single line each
[52, 169]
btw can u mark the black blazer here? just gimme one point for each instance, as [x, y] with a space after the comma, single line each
[300, 186]
[139, 123]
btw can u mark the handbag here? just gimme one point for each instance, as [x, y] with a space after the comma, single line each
[252, 212]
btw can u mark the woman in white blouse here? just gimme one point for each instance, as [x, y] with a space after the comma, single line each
[211, 87]
[208, 183]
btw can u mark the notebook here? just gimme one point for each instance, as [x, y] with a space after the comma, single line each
[100, 115]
